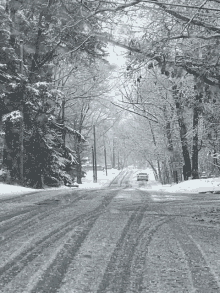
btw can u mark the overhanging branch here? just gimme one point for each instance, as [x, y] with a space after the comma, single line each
[126, 109]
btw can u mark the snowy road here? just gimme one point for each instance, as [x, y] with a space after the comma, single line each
[117, 239]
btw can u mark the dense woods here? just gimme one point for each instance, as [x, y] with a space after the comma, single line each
[160, 108]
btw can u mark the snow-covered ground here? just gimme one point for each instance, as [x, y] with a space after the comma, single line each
[7, 190]
[102, 179]
[191, 186]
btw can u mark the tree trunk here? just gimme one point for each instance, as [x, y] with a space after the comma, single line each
[195, 150]
[36, 56]
[183, 132]
[215, 160]
[185, 150]
[159, 171]
[79, 172]
[78, 166]
[168, 129]
[167, 173]
[170, 170]
[63, 121]
[155, 143]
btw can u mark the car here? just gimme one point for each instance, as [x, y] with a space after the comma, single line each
[99, 168]
[142, 176]
[204, 175]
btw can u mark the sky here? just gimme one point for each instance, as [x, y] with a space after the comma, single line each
[116, 55]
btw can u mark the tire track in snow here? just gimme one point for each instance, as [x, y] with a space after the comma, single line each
[125, 268]
[120, 178]
[118, 272]
[139, 259]
[51, 282]
[12, 268]
[203, 278]
[12, 225]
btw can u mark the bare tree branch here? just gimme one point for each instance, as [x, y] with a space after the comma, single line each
[126, 109]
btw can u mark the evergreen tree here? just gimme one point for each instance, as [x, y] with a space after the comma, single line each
[28, 99]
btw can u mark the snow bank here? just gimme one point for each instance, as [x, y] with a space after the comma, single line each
[191, 186]
[7, 190]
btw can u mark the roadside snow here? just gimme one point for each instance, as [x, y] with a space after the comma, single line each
[7, 190]
[102, 179]
[191, 186]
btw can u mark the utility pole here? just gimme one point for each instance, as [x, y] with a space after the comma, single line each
[106, 171]
[113, 154]
[118, 161]
[93, 164]
[22, 118]
[95, 159]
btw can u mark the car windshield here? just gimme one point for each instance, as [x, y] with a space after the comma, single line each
[142, 174]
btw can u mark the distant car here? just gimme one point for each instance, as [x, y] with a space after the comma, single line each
[99, 168]
[72, 185]
[142, 176]
[203, 175]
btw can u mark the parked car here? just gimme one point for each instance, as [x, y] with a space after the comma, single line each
[142, 176]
